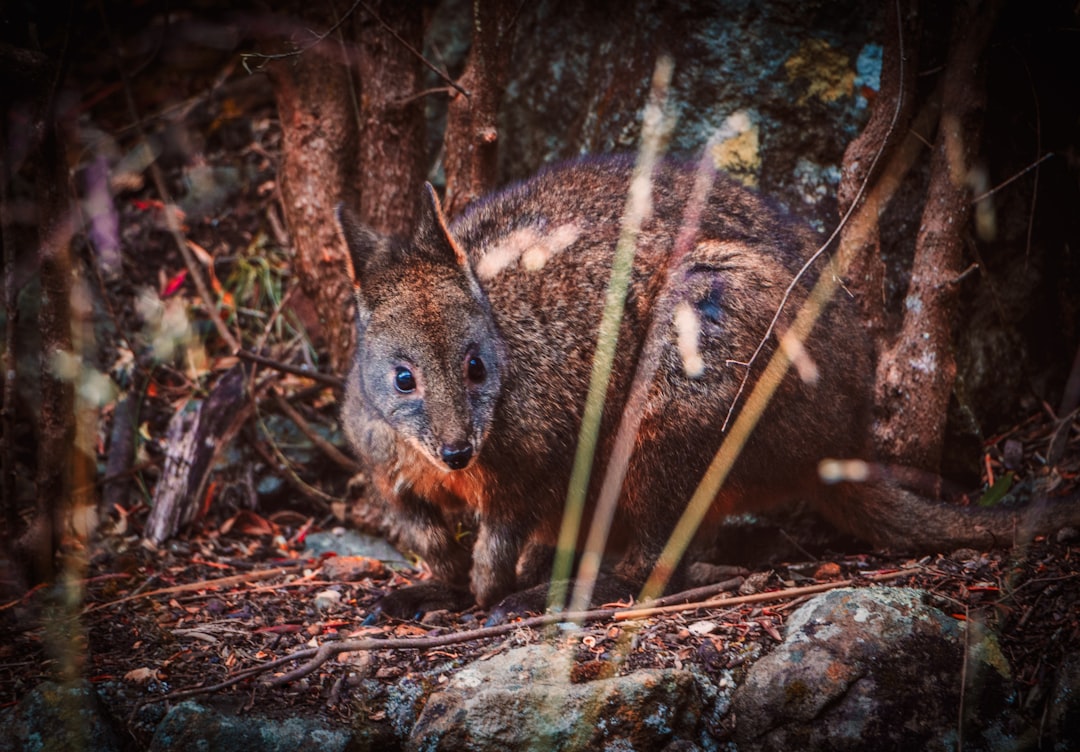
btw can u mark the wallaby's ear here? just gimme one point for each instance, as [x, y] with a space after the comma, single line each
[431, 232]
[361, 241]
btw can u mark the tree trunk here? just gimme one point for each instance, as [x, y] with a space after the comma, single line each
[319, 147]
[392, 146]
[336, 146]
[876, 162]
[56, 448]
[916, 374]
[472, 135]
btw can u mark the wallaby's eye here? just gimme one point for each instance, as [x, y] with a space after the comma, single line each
[404, 381]
[475, 369]
[711, 306]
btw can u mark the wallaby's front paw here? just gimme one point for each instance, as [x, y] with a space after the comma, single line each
[608, 591]
[520, 604]
[416, 600]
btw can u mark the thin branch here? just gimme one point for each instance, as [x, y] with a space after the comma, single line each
[772, 595]
[1025, 171]
[322, 378]
[320, 443]
[277, 459]
[839, 227]
[244, 57]
[221, 582]
[1038, 148]
[766, 385]
[434, 68]
[402, 101]
[321, 37]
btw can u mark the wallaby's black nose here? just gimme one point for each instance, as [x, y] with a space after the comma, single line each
[456, 456]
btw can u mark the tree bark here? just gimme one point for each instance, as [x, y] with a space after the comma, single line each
[338, 146]
[392, 146]
[876, 162]
[195, 435]
[472, 134]
[319, 147]
[916, 374]
[56, 449]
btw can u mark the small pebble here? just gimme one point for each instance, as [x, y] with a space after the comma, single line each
[327, 599]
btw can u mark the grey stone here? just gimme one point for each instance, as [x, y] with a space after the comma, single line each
[876, 669]
[523, 700]
[191, 726]
[783, 80]
[57, 718]
[353, 543]
[1063, 718]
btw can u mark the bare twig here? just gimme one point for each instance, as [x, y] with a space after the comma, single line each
[742, 600]
[1038, 148]
[1033, 166]
[321, 37]
[402, 101]
[834, 234]
[278, 460]
[430, 65]
[322, 444]
[322, 378]
[221, 582]
[769, 380]
[317, 38]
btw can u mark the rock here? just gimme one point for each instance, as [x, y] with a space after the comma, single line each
[326, 600]
[352, 568]
[522, 699]
[875, 669]
[1063, 719]
[347, 543]
[191, 726]
[57, 718]
[783, 82]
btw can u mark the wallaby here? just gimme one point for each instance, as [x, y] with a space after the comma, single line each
[473, 361]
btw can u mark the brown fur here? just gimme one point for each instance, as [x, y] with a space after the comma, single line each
[519, 282]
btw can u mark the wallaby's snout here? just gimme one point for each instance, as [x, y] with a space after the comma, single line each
[457, 454]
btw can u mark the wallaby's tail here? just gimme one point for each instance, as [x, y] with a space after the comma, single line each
[893, 518]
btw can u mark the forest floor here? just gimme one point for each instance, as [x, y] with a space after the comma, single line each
[235, 589]
[211, 614]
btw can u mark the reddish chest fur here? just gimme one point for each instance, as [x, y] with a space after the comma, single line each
[449, 489]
